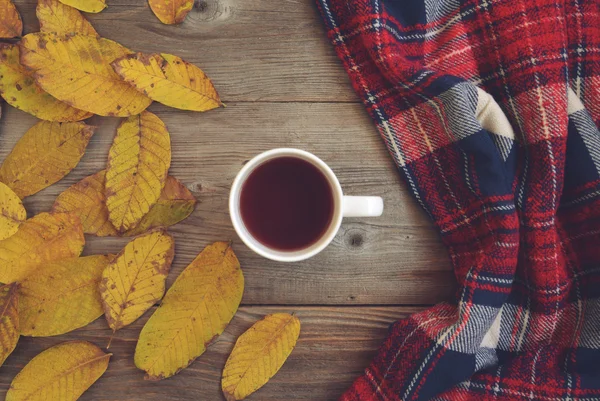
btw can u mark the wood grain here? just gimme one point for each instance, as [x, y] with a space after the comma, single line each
[335, 345]
[395, 259]
[253, 50]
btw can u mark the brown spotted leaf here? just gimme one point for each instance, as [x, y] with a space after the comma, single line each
[88, 6]
[86, 200]
[135, 279]
[10, 21]
[9, 320]
[171, 11]
[12, 212]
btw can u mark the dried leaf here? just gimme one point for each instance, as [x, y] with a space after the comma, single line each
[47, 297]
[86, 200]
[196, 310]
[60, 373]
[19, 89]
[89, 6]
[76, 69]
[258, 354]
[171, 11]
[10, 21]
[135, 280]
[12, 212]
[41, 239]
[138, 163]
[9, 320]
[55, 16]
[44, 155]
[169, 80]
[175, 204]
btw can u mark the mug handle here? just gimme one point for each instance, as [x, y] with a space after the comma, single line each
[362, 206]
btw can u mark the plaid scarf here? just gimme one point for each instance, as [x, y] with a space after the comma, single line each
[490, 110]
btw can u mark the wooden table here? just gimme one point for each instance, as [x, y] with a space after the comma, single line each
[283, 86]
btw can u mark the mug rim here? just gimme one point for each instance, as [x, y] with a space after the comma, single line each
[257, 246]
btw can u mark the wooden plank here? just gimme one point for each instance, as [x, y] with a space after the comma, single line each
[395, 259]
[335, 345]
[254, 50]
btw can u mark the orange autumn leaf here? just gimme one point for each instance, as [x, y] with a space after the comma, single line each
[76, 69]
[44, 155]
[175, 204]
[88, 6]
[169, 80]
[171, 11]
[135, 279]
[86, 200]
[138, 162]
[20, 90]
[9, 320]
[55, 16]
[43, 238]
[10, 20]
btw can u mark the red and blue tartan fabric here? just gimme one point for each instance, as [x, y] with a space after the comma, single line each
[490, 110]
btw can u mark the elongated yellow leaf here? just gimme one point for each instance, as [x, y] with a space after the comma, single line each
[61, 296]
[89, 6]
[44, 155]
[138, 163]
[135, 280]
[169, 80]
[86, 200]
[258, 354]
[175, 203]
[10, 20]
[20, 90]
[60, 373]
[76, 69]
[39, 240]
[196, 310]
[9, 320]
[12, 212]
[55, 16]
[171, 11]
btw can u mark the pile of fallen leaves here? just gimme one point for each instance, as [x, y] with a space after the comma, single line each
[65, 74]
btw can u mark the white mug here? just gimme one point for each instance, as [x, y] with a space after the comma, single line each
[344, 206]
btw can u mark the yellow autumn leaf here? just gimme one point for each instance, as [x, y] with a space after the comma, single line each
[47, 298]
[43, 238]
[169, 80]
[44, 155]
[138, 163]
[88, 6]
[55, 16]
[175, 204]
[12, 212]
[76, 69]
[10, 20]
[9, 320]
[60, 373]
[20, 90]
[135, 279]
[171, 11]
[195, 310]
[258, 354]
[86, 200]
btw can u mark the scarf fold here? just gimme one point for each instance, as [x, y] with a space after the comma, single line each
[490, 110]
